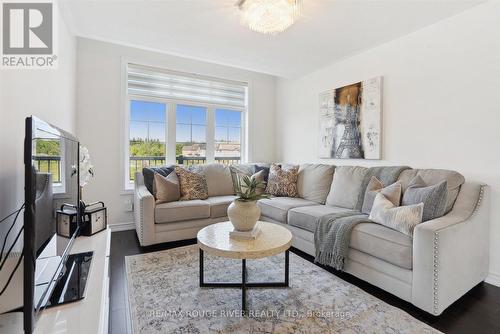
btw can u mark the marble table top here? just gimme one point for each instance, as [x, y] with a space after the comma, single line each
[272, 239]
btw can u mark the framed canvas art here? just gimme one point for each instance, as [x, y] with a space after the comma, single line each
[350, 119]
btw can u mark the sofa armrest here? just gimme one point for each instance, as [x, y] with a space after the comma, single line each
[144, 210]
[451, 253]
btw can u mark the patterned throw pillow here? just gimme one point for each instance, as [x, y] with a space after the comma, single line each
[375, 186]
[281, 182]
[166, 189]
[193, 183]
[399, 218]
[434, 197]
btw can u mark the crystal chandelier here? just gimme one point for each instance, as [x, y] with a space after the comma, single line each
[269, 16]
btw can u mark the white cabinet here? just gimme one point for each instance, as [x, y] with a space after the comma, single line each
[89, 315]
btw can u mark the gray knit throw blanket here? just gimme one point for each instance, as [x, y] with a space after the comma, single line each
[333, 232]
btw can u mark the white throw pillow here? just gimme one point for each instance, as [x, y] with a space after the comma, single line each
[399, 218]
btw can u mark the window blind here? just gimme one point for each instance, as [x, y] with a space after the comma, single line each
[153, 82]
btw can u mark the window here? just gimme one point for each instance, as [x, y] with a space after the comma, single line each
[47, 157]
[182, 118]
[191, 134]
[146, 135]
[227, 135]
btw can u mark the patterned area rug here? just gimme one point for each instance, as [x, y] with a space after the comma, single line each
[165, 297]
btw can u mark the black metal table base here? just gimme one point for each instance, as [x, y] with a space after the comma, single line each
[244, 285]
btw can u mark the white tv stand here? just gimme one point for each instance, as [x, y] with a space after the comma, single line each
[89, 315]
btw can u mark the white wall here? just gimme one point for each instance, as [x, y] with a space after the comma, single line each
[101, 107]
[441, 103]
[49, 95]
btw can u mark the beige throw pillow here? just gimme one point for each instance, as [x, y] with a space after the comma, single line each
[375, 186]
[399, 218]
[192, 182]
[166, 189]
[282, 182]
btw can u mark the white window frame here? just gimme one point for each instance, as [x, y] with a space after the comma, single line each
[170, 131]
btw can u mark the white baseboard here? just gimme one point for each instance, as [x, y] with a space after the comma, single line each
[493, 278]
[121, 227]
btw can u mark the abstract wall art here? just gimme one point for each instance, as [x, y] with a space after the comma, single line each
[350, 120]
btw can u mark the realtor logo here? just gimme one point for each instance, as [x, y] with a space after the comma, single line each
[28, 35]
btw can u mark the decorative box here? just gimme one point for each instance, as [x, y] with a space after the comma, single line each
[66, 220]
[94, 218]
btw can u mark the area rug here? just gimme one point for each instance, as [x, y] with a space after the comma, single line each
[165, 297]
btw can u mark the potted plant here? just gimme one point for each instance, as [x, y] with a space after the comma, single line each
[243, 212]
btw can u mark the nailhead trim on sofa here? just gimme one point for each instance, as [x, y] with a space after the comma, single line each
[435, 261]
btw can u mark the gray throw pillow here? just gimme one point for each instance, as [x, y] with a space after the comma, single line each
[265, 170]
[166, 189]
[434, 197]
[399, 218]
[375, 186]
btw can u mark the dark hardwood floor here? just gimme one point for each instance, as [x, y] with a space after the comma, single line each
[476, 312]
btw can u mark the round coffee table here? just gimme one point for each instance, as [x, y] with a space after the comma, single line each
[271, 240]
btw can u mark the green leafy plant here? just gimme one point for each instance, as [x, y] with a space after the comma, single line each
[248, 189]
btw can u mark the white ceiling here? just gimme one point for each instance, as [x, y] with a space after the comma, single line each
[209, 30]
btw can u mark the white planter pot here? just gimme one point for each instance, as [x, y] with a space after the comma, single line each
[243, 215]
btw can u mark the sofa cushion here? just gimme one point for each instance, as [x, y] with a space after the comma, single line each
[400, 218]
[314, 181]
[166, 189]
[277, 208]
[219, 180]
[434, 176]
[282, 181]
[433, 197]
[308, 217]
[383, 243]
[392, 192]
[193, 182]
[346, 185]
[219, 204]
[149, 172]
[265, 171]
[245, 169]
[181, 210]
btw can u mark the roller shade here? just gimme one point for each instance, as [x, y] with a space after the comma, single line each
[152, 82]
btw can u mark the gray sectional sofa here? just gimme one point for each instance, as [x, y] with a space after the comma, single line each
[445, 258]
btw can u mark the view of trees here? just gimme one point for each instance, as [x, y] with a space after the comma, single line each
[48, 147]
[151, 148]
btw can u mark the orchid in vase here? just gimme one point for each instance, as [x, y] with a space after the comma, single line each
[86, 168]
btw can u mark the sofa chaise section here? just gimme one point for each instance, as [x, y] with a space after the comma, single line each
[445, 258]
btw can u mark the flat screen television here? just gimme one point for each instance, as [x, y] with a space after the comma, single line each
[51, 157]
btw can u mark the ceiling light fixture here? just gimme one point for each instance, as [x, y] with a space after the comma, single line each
[269, 16]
